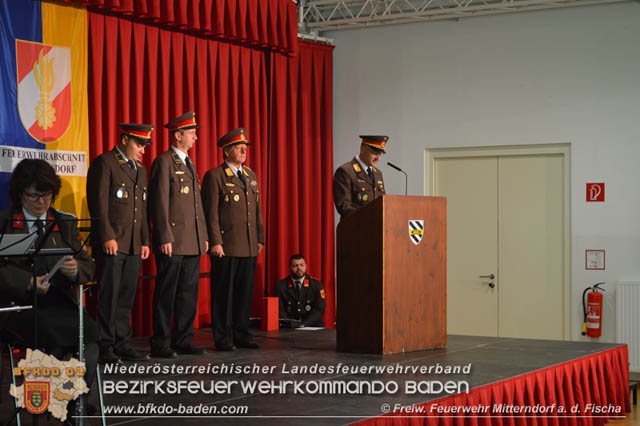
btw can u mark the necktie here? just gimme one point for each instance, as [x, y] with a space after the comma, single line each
[40, 263]
[40, 228]
[190, 166]
[241, 177]
[298, 285]
[370, 173]
[133, 167]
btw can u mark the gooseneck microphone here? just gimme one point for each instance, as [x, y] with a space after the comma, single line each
[406, 177]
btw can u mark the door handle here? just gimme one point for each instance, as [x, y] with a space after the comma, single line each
[491, 277]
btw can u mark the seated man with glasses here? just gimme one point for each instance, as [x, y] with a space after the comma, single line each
[33, 186]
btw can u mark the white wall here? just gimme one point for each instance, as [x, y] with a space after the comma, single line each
[570, 75]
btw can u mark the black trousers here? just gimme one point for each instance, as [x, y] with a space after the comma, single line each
[118, 282]
[231, 295]
[175, 294]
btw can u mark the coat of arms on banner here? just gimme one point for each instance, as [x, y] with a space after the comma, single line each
[36, 397]
[416, 230]
[44, 89]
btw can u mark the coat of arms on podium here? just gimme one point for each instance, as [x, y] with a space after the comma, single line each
[416, 230]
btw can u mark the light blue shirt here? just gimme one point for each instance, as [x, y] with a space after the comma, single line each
[233, 169]
[31, 220]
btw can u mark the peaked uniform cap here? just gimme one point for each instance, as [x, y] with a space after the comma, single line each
[235, 136]
[378, 142]
[141, 132]
[184, 122]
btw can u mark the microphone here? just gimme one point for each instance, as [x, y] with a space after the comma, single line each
[406, 177]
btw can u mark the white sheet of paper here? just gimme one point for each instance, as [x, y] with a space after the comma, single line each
[54, 270]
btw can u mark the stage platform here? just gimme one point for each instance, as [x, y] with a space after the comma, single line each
[335, 391]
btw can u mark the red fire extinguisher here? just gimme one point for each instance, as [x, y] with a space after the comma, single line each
[592, 309]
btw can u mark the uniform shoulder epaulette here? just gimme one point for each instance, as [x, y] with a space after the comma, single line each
[314, 278]
[228, 171]
[357, 167]
[119, 157]
[175, 156]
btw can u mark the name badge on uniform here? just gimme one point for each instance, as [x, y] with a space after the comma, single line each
[179, 172]
[230, 184]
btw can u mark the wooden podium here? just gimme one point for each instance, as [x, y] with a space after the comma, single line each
[391, 292]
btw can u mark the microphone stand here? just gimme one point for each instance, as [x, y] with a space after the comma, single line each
[406, 177]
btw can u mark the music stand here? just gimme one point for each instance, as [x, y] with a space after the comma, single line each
[15, 245]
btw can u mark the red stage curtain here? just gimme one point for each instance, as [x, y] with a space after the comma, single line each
[265, 23]
[600, 379]
[301, 167]
[145, 74]
[300, 208]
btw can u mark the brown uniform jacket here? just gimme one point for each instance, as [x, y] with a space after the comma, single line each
[307, 305]
[16, 272]
[234, 216]
[117, 198]
[175, 206]
[352, 187]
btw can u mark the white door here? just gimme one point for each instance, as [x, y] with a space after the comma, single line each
[505, 218]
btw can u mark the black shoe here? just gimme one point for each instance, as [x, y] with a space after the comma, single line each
[225, 347]
[248, 345]
[165, 352]
[130, 354]
[108, 357]
[189, 350]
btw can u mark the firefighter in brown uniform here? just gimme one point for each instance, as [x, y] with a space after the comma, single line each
[234, 220]
[117, 199]
[301, 297]
[358, 182]
[179, 237]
